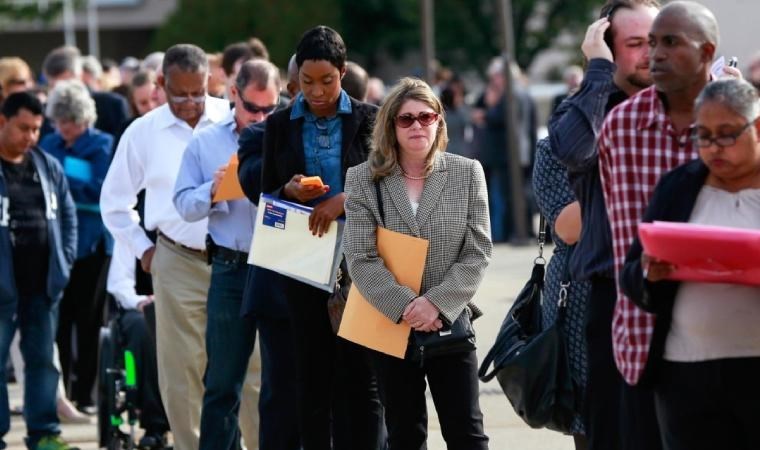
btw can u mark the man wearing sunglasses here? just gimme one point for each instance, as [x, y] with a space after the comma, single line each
[148, 156]
[229, 337]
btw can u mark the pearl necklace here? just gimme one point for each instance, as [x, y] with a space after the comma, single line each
[406, 175]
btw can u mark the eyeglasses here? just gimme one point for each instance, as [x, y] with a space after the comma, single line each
[424, 118]
[186, 98]
[256, 109]
[726, 140]
[180, 99]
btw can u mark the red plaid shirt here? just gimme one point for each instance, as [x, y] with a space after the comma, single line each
[637, 145]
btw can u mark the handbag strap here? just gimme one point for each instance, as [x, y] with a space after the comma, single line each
[541, 240]
[380, 202]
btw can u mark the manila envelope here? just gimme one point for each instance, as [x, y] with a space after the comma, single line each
[362, 323]
[229, 188]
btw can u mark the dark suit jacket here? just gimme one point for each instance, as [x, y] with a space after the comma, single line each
[284, 157]
[262, 295]
[113, 112]
[673, 201]
[283, 145]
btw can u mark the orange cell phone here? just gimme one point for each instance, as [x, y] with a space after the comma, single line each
[312, 181]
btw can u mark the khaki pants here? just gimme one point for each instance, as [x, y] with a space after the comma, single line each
[180, 284]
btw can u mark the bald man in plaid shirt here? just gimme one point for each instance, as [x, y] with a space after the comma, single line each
[641, 140]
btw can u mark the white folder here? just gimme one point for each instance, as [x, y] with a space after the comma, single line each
[282, 242]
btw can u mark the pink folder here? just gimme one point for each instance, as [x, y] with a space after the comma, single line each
[705, 253]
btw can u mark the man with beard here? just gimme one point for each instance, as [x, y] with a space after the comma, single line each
[642, 139]
[618, 67]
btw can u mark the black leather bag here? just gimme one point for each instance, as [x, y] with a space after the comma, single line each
[531, 364]
[457, 338]
[336, 302]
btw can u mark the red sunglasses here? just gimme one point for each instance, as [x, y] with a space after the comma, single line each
[424, 118]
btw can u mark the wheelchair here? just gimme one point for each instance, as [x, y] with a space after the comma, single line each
[117, 390]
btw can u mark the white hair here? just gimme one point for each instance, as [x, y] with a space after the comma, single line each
[70, 100]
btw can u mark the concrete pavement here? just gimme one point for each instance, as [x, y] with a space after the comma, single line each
[506, 275]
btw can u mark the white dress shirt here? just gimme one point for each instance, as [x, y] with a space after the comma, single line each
[121, 277]
[148, 157]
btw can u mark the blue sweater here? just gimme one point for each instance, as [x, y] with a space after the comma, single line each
[62, 233]
[85, 165]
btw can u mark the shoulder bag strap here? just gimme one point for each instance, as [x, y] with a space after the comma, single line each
[380, 202]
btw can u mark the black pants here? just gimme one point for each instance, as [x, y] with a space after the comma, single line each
[454, 386]
[140, 342]
[277, 399]
[605, 383]
[709, 405]
[638, 419]
[80, 318]
[350, 407]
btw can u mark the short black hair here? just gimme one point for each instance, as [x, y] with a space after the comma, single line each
[321, 43]
[18, 101]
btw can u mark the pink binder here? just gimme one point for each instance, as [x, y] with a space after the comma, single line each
[705, 253]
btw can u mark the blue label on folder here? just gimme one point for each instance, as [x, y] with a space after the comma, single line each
[274, 216]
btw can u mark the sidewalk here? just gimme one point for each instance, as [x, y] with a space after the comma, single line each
[508, 272]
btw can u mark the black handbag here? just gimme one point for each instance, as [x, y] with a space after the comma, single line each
[458, 337]
[531, 364]
[336, 302]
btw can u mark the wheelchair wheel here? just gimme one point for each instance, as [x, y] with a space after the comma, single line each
[107, 432]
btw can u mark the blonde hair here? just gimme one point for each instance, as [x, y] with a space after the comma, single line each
[10, 68]
[383, 158]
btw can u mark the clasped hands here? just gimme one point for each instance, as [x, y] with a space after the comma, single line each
[422, 315]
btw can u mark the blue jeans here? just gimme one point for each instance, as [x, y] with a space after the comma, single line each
[229, 343]
[37, 320]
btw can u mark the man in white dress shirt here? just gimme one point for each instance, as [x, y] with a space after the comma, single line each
[148, 157]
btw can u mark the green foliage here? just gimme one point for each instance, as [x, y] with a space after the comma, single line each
[14, 12]
[466, 31]
[213, 25]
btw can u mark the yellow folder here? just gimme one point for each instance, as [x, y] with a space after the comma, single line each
[229, 188]
[362, 323]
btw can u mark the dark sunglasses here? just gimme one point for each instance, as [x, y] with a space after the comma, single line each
[255, 109]
[424, 118]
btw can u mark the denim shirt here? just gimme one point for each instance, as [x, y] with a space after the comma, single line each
[573, 130]
[322, 141]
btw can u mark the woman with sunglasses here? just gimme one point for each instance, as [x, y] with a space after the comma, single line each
[442, 198]
[323, 132]
[709, 346]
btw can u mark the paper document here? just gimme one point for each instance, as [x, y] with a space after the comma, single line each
[705, 253]
[229, 188]
[362, 323]
[282, 242]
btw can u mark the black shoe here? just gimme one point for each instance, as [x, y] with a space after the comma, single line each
[152, 441]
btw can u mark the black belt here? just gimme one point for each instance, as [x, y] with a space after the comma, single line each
[201, 253]
[228, 254]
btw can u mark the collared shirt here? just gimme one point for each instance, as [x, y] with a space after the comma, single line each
[230, 223]
[322, 141]
[148, 157]
[121, 277]
[573, 131]
[638, 144]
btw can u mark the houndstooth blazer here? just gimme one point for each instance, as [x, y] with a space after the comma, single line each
[452, 216]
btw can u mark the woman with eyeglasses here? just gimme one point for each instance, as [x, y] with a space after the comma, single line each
[440, 197]
[709, 342]
[323, 133]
